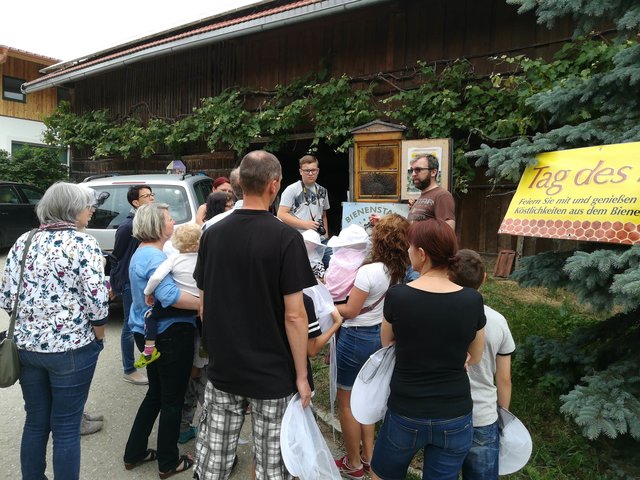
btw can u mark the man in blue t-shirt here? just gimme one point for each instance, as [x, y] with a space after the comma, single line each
[123, 249]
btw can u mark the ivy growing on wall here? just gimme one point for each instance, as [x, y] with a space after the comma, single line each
[452, 101]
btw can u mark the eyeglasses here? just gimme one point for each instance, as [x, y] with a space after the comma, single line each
[418, 170]
[310, 171]
[146, 195]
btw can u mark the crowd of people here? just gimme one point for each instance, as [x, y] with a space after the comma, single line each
[226, 313]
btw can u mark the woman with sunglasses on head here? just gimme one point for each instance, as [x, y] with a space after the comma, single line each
[62, 307]
[220, 184]
[217, 203]
[437, 327]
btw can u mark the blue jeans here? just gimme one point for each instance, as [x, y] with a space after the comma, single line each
[482, 460]
[55, 387]
[126, 335]
[355, 346]
[445, 443]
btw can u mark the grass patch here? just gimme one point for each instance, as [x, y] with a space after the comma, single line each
[560, 452]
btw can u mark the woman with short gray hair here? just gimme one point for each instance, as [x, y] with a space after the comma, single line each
[59, 329]
[169, 374]
[149, 223]
[63, 202]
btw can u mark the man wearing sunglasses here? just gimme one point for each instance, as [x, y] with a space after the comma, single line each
[123, 249]
[434, 201]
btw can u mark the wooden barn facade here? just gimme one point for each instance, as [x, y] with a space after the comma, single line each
[21, 115]
[275, 42]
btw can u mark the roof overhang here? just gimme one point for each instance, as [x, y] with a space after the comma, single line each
[276, 17]
[6, 51]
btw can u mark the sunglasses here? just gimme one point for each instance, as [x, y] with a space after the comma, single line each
[419, 170]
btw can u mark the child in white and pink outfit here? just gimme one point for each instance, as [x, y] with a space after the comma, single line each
[350, 248]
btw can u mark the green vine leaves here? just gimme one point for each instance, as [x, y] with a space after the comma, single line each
[494, 110]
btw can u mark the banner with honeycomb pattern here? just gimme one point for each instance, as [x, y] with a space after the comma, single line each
[588, 194]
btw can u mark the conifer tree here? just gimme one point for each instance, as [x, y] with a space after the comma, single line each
[593, 107]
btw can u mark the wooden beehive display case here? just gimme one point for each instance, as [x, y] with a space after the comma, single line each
[377, 162]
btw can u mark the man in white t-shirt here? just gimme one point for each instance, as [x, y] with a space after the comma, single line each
[490, 379]
[304, 204]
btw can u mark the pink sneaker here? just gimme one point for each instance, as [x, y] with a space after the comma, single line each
[347, 471]
[365, 466]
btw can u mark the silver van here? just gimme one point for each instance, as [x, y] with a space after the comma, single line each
[184, 194]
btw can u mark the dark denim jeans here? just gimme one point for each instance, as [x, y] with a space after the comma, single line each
[445, 443]
[55, 387]
[168, 378]
[482, 460]
[126, 335]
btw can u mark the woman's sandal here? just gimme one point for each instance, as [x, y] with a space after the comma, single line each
[150, 456]
[184, 463]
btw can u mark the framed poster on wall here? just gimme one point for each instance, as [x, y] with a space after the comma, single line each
[412, 149]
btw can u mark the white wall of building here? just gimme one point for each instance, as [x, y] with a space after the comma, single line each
[20, 130]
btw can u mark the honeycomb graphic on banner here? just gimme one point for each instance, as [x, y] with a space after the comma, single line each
[593, 231]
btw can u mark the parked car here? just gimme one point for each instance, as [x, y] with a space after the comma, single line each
[184, 194]
[17, 210]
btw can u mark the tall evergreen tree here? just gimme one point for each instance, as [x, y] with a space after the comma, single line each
[593, 107]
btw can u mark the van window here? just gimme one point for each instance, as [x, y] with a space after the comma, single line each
[202, 189]
[116, 208]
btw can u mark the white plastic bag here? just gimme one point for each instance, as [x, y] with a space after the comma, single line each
[304, 451]
[322, 304]
[371, 389]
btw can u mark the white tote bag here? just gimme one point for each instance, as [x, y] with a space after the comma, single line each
[515, 443]
[371, 389]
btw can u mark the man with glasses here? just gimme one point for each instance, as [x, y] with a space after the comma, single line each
[123, 249]
[434, 201]
[304, 204]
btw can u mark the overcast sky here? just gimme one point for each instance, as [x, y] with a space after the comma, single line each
[68, 29]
